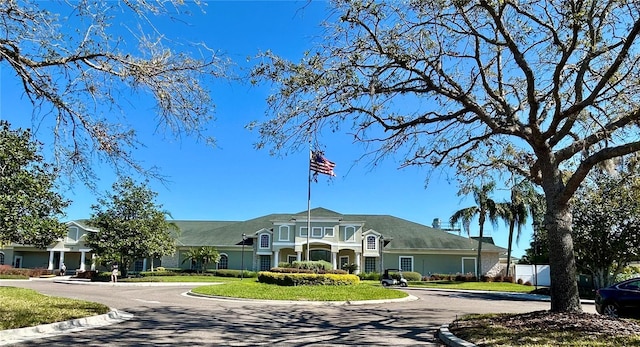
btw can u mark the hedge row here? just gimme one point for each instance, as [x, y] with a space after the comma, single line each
[299, 279]
[7, 271]
[467, 278]
[307, 271]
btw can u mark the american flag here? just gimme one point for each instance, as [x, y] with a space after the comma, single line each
[321, 164]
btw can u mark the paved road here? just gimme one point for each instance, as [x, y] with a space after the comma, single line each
[163, 315]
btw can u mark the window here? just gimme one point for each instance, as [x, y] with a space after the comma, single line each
[634, 285]
[369, 264]
[291, 258]
[371, 242]
[138, 265]
[1, 258]
[469, 265]
[72, 234]
[284, 233]
[328, 232]
[344, 260]
[316, 232]
[224, 262]
[265, 262]
[350, 233]
[264, 241]
[406, 263]
[303, 231]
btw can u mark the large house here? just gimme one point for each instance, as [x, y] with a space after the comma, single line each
[371, 242]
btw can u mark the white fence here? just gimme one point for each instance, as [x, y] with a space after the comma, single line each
[527, 273]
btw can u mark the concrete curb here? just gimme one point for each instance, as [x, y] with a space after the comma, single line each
[309, 303]
[12, 336]
[451, 340]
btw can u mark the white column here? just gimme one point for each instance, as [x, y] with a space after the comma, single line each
[299, 256]
[50, 267]
[61, 259]
[93, 262]
[83, 256]
[334, 260]
[276, 256]
[358, 256]
[144, 264]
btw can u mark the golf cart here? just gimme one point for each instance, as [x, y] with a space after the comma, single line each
[393, 277]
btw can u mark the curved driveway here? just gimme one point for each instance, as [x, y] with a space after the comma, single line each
[163, 315]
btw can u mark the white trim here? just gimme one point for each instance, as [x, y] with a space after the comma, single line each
[353, 236]
[341, 262]
[405, 257]
[77, 236]
[218, 263]
[475, 265]
[376, 241]
[331, 233]
[15, 258]
[268, 241]
[280, 232]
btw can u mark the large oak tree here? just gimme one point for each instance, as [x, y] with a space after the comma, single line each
[80, 62]
[30, 207]
[540, 89]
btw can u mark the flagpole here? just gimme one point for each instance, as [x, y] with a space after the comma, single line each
[309, 204]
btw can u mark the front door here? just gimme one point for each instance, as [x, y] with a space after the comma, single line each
[17, 261]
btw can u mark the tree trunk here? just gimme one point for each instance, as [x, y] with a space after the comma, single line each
[564, 284]
[509, 248]
[479, 265]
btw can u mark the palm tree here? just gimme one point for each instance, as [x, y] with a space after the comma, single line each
[485, 208]
[208, 255]
[192, 255]
[204, 255]
[515, 214]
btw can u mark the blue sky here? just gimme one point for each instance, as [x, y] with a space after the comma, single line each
[236, 182]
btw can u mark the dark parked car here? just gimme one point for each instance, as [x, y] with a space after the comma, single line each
[620, 299]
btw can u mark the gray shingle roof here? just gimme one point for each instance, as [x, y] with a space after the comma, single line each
[405, 235]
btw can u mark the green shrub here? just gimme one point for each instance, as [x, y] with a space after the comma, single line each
[412, 276]
[369, 276]
[298, 279]
[7, 270]
[315, 265]
[351, 268]
[158, 273]
[235, 273]
[86, 274]
[104, 276]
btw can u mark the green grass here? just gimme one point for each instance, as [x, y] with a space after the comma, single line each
[484, 286]
[13, 277]
[25, 307]
[251, 289]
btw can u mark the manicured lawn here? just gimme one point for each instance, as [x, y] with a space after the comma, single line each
[484, 286]
[251, 289]
[25, 307]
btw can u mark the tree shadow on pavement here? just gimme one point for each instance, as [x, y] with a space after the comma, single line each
[260, 325]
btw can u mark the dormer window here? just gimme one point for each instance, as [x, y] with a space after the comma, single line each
[371, 243]
[264, 241]
[72, 234]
